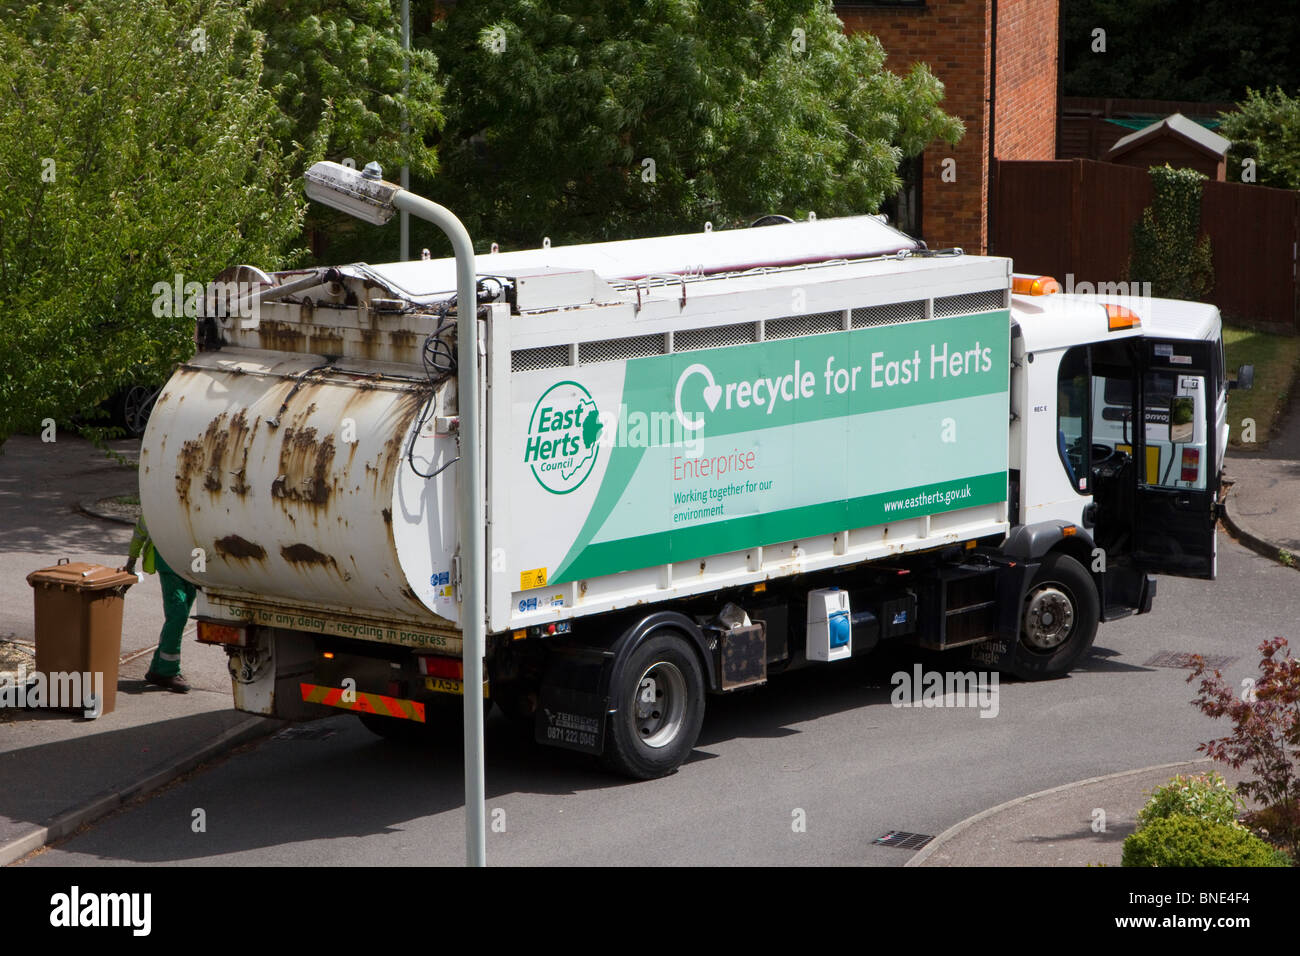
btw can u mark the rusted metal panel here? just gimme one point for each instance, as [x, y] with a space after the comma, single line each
[391, 627]
[265, 477]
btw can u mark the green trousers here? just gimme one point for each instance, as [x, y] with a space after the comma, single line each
[178, 598]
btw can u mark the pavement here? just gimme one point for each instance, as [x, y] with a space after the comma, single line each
[1263, 503]
[62, 771]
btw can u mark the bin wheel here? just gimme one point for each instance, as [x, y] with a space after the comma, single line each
[1058, 622]
[660, 701]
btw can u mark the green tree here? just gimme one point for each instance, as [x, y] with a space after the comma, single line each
[345, 89]
[1174, 50]
[584, 120]
[135, 145]
[1266, 128]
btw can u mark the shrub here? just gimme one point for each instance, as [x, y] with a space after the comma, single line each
[1203, 796]
[1166, 250]
[1187, 841]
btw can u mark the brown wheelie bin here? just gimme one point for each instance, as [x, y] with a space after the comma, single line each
[79, 626]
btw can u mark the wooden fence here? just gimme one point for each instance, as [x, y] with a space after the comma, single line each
[1075, 218]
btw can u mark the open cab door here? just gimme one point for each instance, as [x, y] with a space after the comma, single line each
[1177, 464]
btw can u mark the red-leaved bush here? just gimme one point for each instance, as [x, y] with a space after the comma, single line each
[1265, 735]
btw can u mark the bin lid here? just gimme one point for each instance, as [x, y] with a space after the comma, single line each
[82, 576]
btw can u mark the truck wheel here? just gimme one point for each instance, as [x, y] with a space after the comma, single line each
[1058, 622]
[660, 700]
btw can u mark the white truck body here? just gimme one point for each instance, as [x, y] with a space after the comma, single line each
[298, 520]
[669, 426]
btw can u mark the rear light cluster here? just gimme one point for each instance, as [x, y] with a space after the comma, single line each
[448, 668]
[1191, 464]
[211, 632]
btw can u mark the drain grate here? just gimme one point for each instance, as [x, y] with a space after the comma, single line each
[304, 733]
[1183, 659]
[903, 840]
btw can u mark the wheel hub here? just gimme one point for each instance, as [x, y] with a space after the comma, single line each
[1049, 619]
[659, 708]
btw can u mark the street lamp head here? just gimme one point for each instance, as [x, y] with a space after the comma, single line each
[364, 195]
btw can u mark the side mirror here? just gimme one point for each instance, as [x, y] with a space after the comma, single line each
[1245, 378]
[1182, 424]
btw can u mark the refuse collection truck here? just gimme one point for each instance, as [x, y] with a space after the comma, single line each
[710, 458]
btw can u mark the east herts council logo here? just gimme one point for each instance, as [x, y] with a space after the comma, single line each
[562, 437]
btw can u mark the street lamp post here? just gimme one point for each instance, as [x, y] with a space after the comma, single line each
[368, 197]
[405, 229]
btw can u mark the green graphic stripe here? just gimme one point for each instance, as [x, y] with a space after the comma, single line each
[623, 463]
[686, 542]
[652, 381]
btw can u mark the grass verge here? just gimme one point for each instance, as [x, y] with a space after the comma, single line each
[1277, 363]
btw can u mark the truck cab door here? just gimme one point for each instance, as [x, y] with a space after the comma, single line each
[1177, 461]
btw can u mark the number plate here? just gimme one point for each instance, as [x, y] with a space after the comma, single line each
[444, 685]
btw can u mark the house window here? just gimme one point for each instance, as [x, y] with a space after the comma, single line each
[904, 207]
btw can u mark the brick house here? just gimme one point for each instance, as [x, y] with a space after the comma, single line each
[958, 40]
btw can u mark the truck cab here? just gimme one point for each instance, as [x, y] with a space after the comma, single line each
[1148, 496]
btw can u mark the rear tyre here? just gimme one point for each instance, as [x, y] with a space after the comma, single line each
[1058, 622]
[660, 700]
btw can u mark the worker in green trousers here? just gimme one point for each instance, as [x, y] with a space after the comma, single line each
[178, 597]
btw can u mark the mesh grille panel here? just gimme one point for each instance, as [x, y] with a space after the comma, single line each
[970, 302]
[692, 340]
[891, 313]
[549, 356]
[615, 350]
[800, 325]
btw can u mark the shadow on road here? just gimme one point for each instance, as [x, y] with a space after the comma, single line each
[337, 780]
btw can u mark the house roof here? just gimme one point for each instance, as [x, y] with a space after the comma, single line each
[1178, 125]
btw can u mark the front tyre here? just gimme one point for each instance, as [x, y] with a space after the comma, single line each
[1058, 621]
[660, 701]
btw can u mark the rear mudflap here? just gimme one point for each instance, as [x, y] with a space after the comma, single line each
[574, 701]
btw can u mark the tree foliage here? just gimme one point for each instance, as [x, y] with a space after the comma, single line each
[1266, 128]
[135, 145]
[338, 71]
[583, 120]
[1174, 50]
[346, 90]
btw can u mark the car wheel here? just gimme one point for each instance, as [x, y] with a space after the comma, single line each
[137, 405]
